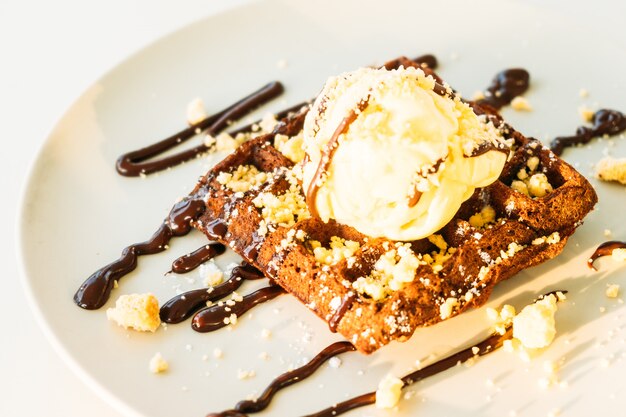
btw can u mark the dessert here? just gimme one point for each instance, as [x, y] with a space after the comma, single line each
[383, 289]
[409, 154]
[371, 283]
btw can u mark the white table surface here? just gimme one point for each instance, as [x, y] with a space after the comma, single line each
[50, 52]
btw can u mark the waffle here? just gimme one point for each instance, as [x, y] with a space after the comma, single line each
[498, 232]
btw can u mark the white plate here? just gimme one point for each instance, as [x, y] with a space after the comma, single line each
[78, 213]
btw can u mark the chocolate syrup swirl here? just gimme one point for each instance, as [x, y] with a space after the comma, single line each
[196, 258]
[605, 249]
[292, 377]
[505, 86]
[95, 291]
[181, 307]
[135, 163]
[482, 348]
[605, 122]
[486, 346]
[343, 308]
[327, 155]
[215, 317]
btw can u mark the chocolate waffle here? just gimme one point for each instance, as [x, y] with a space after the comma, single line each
[521, 220]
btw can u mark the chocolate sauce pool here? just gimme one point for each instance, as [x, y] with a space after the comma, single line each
[604, 122]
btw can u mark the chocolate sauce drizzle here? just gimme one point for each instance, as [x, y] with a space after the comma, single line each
[181, 307]
[482, 348]
[217, 228]
[215, 317]
[191, 261]
[135, 163]
[605, 122]
[327, 155]
[605, 249]
[505, 86]
[486, 346]
[427, 60]
[291, 377]
[95, 291]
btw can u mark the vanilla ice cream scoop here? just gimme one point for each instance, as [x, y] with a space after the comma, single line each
[394, 154]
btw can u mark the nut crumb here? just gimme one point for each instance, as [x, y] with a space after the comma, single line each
[611, 169]
[612, 290]
[243, 374]
[334, 362]
[521, 104]
[136, 311]
[586, 114]
[196, 111]
[388, 392]
[618, 255]
[534, 326]
[158, 364]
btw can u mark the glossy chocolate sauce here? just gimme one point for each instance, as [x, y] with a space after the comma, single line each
[135, 163]
[486, 346]
[196, 258]
[605, 122]
[217, 229]
[95, 291]
[252, 250]
[345, 305]
[327, 155]
[181, 307]
[505, 86]
[482, 348]
[605, 249]
[215, 317]
[292, 377]
[427, 60]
